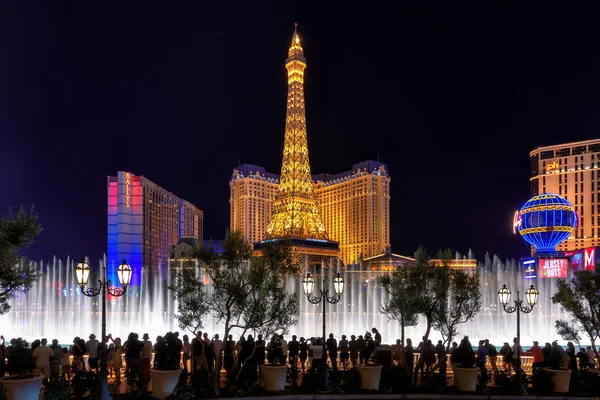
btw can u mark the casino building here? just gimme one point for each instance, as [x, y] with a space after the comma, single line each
[355, 206]
[144, 222]
[571, 170]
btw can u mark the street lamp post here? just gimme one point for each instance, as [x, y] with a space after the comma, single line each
[82, 272]
[308, 285]
[531, 295]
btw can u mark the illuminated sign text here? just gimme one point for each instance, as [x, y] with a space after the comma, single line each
[517, 221]
[127, 189]
[553, 166]
[589, 259]
[553, 268]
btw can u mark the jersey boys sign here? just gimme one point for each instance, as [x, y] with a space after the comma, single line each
[553, 268]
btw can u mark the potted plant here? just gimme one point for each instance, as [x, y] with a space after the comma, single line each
[465, 372]
[561, 376]
[370, 373]
[21, 383]
[166, 371]
[274, 374]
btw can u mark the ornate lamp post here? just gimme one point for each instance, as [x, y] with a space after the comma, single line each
[308, 285]
[82, 272]
[531, 295]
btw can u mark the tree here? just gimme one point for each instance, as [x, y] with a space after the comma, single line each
[431, 284]
[401, 305]
[580, 297]
[17, 231]
[248, 293]
[568, 330]
[463, 302]
[193, 300]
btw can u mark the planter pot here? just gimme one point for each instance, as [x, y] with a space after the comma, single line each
[369, 376]
[561, 379]
[465, 379]
[274, 377]
[20, 389]
[164, 382]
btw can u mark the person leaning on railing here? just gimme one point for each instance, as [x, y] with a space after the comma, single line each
[538, 355]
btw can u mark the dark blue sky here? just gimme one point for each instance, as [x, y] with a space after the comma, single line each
[452, 97]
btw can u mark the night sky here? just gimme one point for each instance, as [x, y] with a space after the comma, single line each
[453, 99]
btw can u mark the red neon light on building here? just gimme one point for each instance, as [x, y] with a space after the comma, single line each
[589, 259]
[553, 268]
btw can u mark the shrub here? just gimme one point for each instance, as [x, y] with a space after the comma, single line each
[56, 389]
[587, 384]
[395, 380]
[351, 380]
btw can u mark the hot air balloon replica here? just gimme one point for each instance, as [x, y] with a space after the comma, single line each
[544, 221]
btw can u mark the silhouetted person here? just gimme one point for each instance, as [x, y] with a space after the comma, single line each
[332, 350]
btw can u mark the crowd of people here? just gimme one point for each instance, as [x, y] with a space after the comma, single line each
[134, 355]
[58, 361]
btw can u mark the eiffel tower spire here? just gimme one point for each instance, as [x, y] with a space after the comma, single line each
[295, 211]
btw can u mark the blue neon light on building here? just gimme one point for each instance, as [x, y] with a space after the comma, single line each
[545, 220]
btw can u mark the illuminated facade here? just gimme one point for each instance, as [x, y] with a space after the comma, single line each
[252, 192]
[354, 205]
[571, 170]
[144, 222]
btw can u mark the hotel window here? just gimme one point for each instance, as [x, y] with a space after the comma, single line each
[544, 155]
[578, 150]
[595, 148]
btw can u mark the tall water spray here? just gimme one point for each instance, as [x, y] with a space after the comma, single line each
[56, 308]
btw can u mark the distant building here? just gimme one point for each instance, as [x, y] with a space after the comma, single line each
[180, 253]
[388, 261]
[571, 170]
[144, 222]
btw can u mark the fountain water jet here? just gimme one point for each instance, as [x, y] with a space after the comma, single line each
[55, 307]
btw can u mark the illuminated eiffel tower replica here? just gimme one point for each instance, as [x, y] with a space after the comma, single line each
[296, 219]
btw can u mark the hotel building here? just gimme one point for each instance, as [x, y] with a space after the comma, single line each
[354, 206]
[144, 222]
[571, 170]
